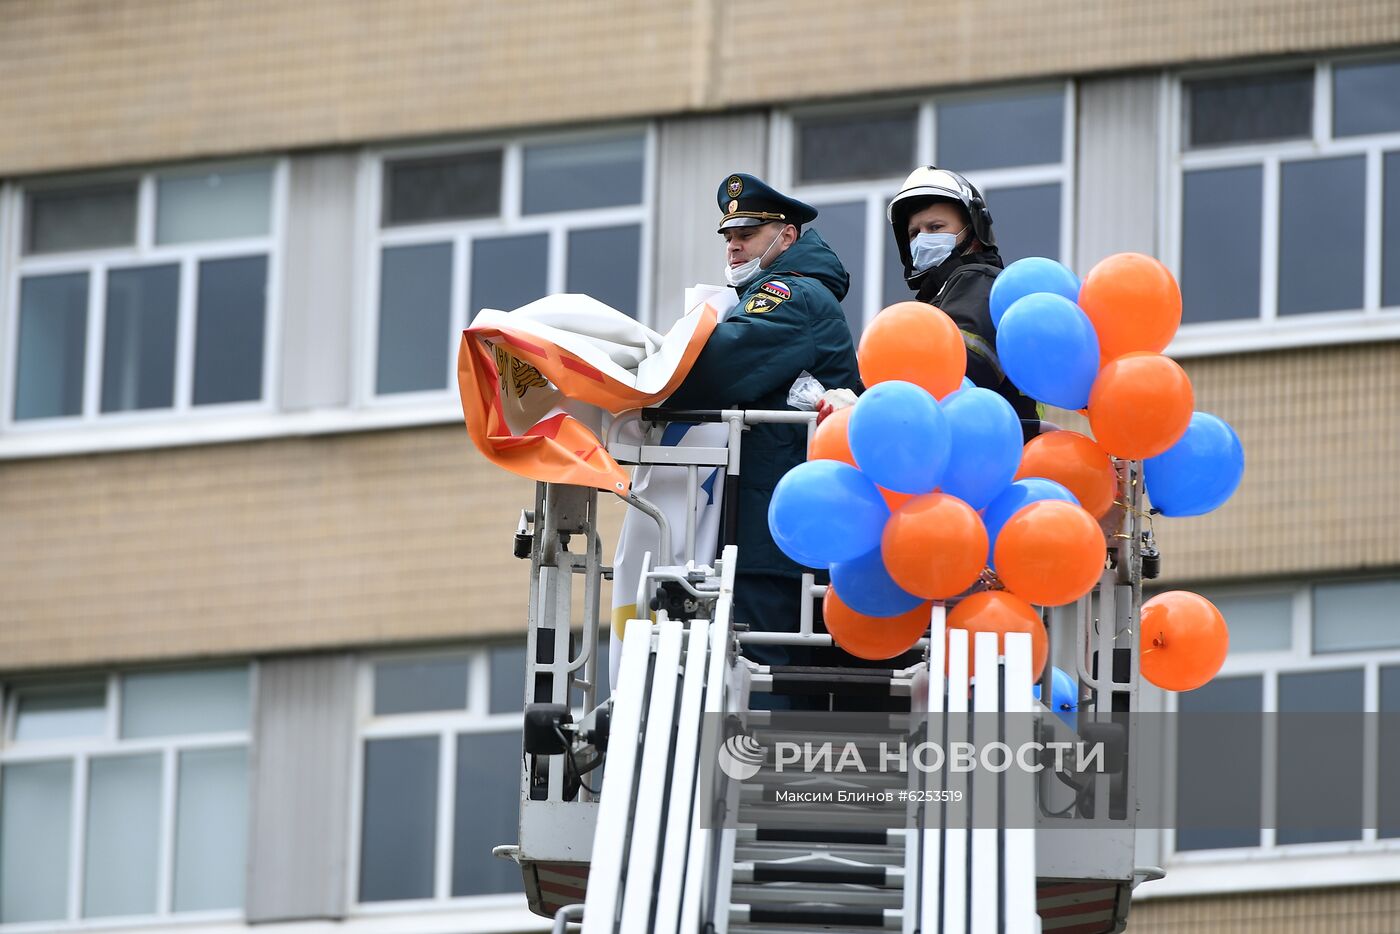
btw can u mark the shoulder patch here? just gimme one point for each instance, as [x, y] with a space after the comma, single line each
[760, 304]
[777, 289]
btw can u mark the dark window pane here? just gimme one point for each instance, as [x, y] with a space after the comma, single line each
[842, 226]
[1026, 221]
[1249, 108]
[1321, 232]
[1219, 723]
[1388, 816]
[138, 346]
[507, 678]
[604, 262]
[873, 146]
[1366, 98]
[52, 345]
[91, 217]
[419, 685]
[399, 836]
[1220, 274]
[230, 323]
[1356, 616]
[1319, 796]
[415, 311]
[1390, 240]
[508, 272]
[893, 288]
[487, 813]
[992, 134]
[576, 176]
[436, 188]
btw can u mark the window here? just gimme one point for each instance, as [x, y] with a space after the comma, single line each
[498, 227]
[124, 797]
[141, 296]
[1285, 205]
[849, 163]
[1309, 652]
[440, 758]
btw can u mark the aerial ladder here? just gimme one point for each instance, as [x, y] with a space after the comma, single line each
[630, 823]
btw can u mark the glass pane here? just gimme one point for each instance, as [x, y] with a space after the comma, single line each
[232, 317]
[508, 272]
[1249, 108]
[466, 184]
[1356, 616]
[604, 262]
[211, 818]
[60, 712]
[415, 313]
[420, 685]
[869, 146]
[123, 836]
[1257, 622]
[487, 813]
[35, 811]
[1365, 98]
[1388, 816]
[992, 134]
[1026, 221]
[1322, 793]
[1220, 275]
[66, 219]
[398, 839]
[138, 346]
[1321, 232]
[1390, 240]
[214, 206]
[893, 288]
[842, 226]
[52, 344]
[508, 678]
[176, 703]
[1213, 813]
[575, 176]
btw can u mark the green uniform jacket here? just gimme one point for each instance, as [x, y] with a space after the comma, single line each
[787, 320]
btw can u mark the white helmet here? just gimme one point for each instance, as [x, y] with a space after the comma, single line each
[928, 183]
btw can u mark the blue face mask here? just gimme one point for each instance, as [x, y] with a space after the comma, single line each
[928, 250]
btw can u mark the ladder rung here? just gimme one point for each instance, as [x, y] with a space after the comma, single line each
[815, 914]
[827, 872]
[819, 835]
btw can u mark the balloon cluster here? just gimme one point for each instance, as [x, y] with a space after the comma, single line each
[924, 487]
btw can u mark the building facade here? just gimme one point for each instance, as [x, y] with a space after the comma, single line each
[260, 629]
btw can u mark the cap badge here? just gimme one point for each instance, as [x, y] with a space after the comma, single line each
[733, 206]
[735, 187]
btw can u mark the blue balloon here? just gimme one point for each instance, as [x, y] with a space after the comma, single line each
[986, 445]
[865, 586]
[966, 383]
[1015, 498]
[826, 511]
[1028, 276]
[1199, 472]
[899, 437]
[1048, 348]
[1064, 696]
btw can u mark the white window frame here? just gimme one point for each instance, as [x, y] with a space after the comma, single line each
[446, 726]
[144, 252]
[877, 192]
[1267, 330]
[1273, 866]
[80, 751]
[511, 221]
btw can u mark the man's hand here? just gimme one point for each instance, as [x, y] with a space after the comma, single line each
[832, 400]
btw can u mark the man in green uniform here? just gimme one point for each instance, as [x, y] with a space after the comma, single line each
[788, 320]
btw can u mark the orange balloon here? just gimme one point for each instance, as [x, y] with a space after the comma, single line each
[916, 343]
[1077, 463]
[1050, 553]
[871, 637]
[1140, 405]
[894, 499]
[1183, 639]
[830, 442]
[1133, 302]
[934, 546]
[1000, 612]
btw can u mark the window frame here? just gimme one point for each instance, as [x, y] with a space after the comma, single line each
[876, 192]
[80, 751]
[375, 236]
[1267, 330]
[445, 726]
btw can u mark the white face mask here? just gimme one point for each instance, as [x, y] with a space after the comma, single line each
[741, 275]
[927, 250]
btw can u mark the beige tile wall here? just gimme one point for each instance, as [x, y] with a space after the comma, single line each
[90, 84]
[1347, 910]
